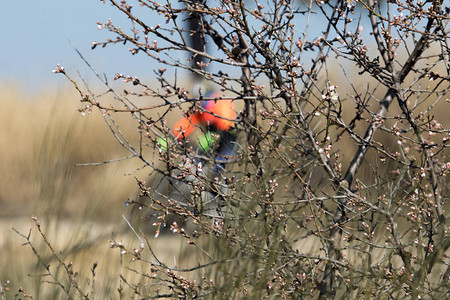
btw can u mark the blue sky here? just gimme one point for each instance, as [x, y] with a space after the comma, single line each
[35, 38]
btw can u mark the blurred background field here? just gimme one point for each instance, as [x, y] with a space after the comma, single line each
[80, 207]
[43, 137]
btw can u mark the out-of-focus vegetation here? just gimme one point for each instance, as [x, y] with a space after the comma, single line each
[43, 138]
[338, 187]
[80, 207]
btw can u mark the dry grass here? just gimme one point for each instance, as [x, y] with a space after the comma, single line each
[83, 243]
[43, 138]
[81, 208]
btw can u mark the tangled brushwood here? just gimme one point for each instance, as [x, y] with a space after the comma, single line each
[337, 182]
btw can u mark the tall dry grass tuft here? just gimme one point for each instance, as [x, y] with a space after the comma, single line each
[43, 138]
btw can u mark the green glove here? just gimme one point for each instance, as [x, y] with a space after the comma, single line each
[207, 141]
[162, 143]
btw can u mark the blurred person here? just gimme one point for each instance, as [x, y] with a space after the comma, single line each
[211, 129]
[216, 121]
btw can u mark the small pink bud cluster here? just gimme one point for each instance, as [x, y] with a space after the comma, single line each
[84, 110]
[59, 69]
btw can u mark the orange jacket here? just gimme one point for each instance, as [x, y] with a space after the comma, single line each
[219, 115]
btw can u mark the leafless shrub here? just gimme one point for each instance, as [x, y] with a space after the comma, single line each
[339, 183]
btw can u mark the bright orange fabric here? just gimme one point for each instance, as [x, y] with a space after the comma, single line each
[215, 112]
[219, 110]
[186, 126]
